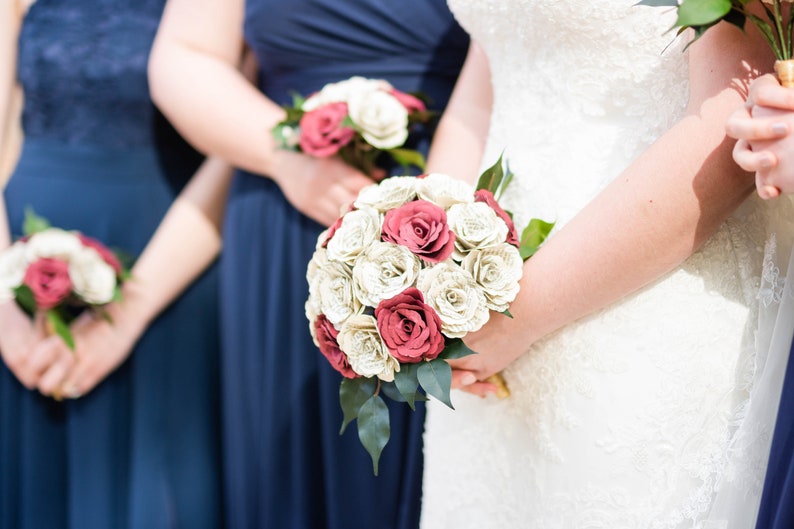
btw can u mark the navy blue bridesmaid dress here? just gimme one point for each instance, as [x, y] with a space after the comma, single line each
[777, 502]
[287, 467]
[142, 451]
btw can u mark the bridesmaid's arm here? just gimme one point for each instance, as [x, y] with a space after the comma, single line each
[648, 220]
[11, 13]
[194, 81]
[459, 140]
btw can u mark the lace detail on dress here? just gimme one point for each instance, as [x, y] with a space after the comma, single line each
[771, 283]
[76, 95]
[625, 418]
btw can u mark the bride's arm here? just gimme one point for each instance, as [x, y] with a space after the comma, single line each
[647, 221]
[459, 140]
[194, 80]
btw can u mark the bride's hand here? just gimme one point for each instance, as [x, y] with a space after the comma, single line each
[320, 188]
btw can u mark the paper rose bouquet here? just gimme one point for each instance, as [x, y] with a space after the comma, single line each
[417, 263]
[775, 25]
[57, 273]
[359, 119]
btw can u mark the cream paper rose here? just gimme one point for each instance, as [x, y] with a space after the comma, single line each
[334, 290]
[365, 350]
[317, 262]
[380, 118]
[476, 226]
[444, 190]
[455, 296]
[53, 243]
[12, 270]
[383, 271]
[93, 279]
[496, 270]
[359, 229]
[388, 194]
[344, 92]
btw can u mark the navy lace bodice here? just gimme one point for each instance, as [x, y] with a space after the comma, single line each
[76, 95]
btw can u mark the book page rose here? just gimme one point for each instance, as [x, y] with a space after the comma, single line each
[344, 91]
[388, 194]
[325, 338]
[55, 243]
[380, 118]
[420, 226]
[476, 225]
[94, 280]
[366, 352]
[12, 270]
[483, 195]
[497, 270]
[382, 271]
[456, 297]
[444, 190]
[49, 281]
[410, 328]
[358, 230]
[322, 132]
[335, 292]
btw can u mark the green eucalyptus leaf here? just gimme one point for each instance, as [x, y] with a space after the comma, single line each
[407, 382]
[61, 328]
[34, 223]
[455, 349]
[353, 393]
[692, 13]
[373, 428]
[768, 33]
[297, 100]
[492, 177]
[25, 299]
[533, 236]
[408, 157]
[435, 378]
[507, 313]
[508, 177]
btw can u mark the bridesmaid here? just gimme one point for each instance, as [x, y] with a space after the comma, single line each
[136, 444]
[765, 130]
[286, 464]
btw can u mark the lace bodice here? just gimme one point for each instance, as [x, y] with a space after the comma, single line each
[622, 420]
[82, 66]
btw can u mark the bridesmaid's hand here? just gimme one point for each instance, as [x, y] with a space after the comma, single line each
[18, 338]
[320, 188]
[764, 129]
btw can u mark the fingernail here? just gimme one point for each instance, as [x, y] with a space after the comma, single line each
[468, 379]
[766, 162]
[779, 128]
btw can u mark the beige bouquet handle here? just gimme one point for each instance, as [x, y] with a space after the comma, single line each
[785, 72]
[502, 391]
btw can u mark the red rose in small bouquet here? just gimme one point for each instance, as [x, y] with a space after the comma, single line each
[413, 266]
[358, 119]
[58, 272]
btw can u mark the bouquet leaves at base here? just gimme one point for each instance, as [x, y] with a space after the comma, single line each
[373, 427]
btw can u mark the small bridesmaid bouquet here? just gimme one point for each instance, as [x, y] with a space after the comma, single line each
[359, 119]
[58, 273]
[776, 26]
[416, 264]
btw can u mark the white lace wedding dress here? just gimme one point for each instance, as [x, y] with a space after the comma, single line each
[628, 418]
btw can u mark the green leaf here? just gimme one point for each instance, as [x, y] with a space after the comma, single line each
[373, 428]
[508, 177]
[507, 313]
[436, 378]
[33, 223]
[456, 349]
[768, 33]
[25, 299]
[533, 236]
[693, 13]
[390, 390]
[353, 393]
[297, 100]
[61, 329]
[282, 133]
[407, 382]
[408, 157]
[491, 178]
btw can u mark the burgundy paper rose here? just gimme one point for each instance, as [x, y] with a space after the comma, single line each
[483, 195]
[326, 336]
[322, 133]
[103, 251]
[49, 281]
[335, 226]
[420, 226]
[412, 104]
[409, 327]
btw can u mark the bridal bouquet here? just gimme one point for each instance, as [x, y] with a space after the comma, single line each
[414, 265]
[56, 273]
[776, 27]
[358, 119]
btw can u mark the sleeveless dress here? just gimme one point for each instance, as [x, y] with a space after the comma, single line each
[286, 464]
[141, 451]
[623, 419]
